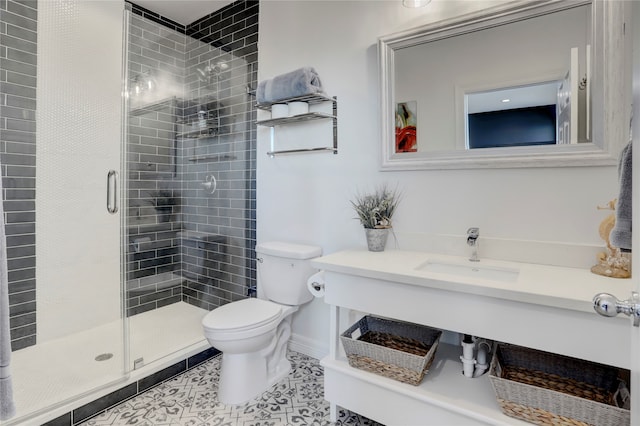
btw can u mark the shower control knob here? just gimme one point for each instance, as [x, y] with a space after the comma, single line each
[609, 306]
[210, 184]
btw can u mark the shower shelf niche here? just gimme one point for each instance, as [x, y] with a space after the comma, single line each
[153, 107]
[192, 130]
[199, 133]
[301, 118]
[212, 158]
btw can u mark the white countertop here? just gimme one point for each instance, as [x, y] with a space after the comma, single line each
[562, 287]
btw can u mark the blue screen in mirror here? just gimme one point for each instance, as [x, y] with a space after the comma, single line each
[513, 127]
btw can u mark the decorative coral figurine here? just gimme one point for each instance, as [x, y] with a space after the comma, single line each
[612, 262]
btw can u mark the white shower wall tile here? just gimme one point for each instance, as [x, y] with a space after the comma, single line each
[77, 240]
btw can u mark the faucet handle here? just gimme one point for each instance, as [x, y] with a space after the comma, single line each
[473, 232]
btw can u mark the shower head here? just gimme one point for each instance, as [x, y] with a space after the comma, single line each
[142, 82]
[212, 73]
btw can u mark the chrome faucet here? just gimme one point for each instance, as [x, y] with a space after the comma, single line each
[472, 240]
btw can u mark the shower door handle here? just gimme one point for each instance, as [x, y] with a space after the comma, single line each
[112, 192]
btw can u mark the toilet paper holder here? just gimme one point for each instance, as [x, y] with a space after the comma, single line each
[315, 284]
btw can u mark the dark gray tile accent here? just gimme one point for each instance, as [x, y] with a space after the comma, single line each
[96, 407]
[201, 357]
[25, 332]
[64, 420]
[159, 19]
[161, 376]
[18, 47]
[92, 408]
[22, 320]
[17, 344]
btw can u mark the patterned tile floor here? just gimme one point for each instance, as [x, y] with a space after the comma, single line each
[190, 399]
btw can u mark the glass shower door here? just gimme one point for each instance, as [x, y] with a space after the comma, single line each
[161, 323]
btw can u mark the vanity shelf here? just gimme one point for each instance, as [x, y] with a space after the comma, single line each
[445, 396]
[539, 309]
[301, 118]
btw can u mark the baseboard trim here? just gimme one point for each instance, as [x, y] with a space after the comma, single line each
[309, 347]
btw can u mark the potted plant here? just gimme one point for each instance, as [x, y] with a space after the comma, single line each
[375, 212]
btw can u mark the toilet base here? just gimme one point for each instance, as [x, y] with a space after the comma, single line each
[282, 371]
[244, 376]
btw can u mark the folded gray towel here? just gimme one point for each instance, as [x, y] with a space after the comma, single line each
[301, 82]
[7, 407]
[620, 235]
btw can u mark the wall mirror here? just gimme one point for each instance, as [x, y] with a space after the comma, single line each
[524, 84]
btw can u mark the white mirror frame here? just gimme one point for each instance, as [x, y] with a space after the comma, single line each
[610, 89]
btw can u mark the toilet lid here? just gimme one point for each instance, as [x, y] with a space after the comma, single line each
[243, 314]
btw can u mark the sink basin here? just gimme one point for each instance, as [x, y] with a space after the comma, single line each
[475, 270]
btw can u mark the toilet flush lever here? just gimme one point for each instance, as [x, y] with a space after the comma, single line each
[609, 306]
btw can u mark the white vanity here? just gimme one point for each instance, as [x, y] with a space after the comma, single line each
[542, 307]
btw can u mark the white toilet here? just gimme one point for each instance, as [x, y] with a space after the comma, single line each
[252, 334]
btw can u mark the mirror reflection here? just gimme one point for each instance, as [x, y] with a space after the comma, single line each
[539, 114]
[513, 84]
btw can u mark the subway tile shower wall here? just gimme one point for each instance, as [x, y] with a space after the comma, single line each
[156, 63]
[163, 266]
[224, 46]
[199, 247]
[18, 65]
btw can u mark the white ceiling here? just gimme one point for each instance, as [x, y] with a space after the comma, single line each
[183, 11]
[519, 97]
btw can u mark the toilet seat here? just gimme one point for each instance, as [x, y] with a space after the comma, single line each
[242, 319]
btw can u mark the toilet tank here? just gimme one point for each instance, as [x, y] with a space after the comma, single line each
[283, 270]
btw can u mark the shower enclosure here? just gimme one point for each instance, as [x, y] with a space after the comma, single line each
[128, 162]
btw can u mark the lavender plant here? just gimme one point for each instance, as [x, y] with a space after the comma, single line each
[375, 210]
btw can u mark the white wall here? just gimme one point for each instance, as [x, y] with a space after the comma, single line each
[305, 198]
[78, 141]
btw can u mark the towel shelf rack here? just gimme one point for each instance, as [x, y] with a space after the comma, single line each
[302, 150]
[294, 118]
[310, 116]
[310, 99]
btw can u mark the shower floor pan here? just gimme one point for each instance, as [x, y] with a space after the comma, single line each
[60, 370]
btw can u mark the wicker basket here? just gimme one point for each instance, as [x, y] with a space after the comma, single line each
[395, 349]
[549, 389]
